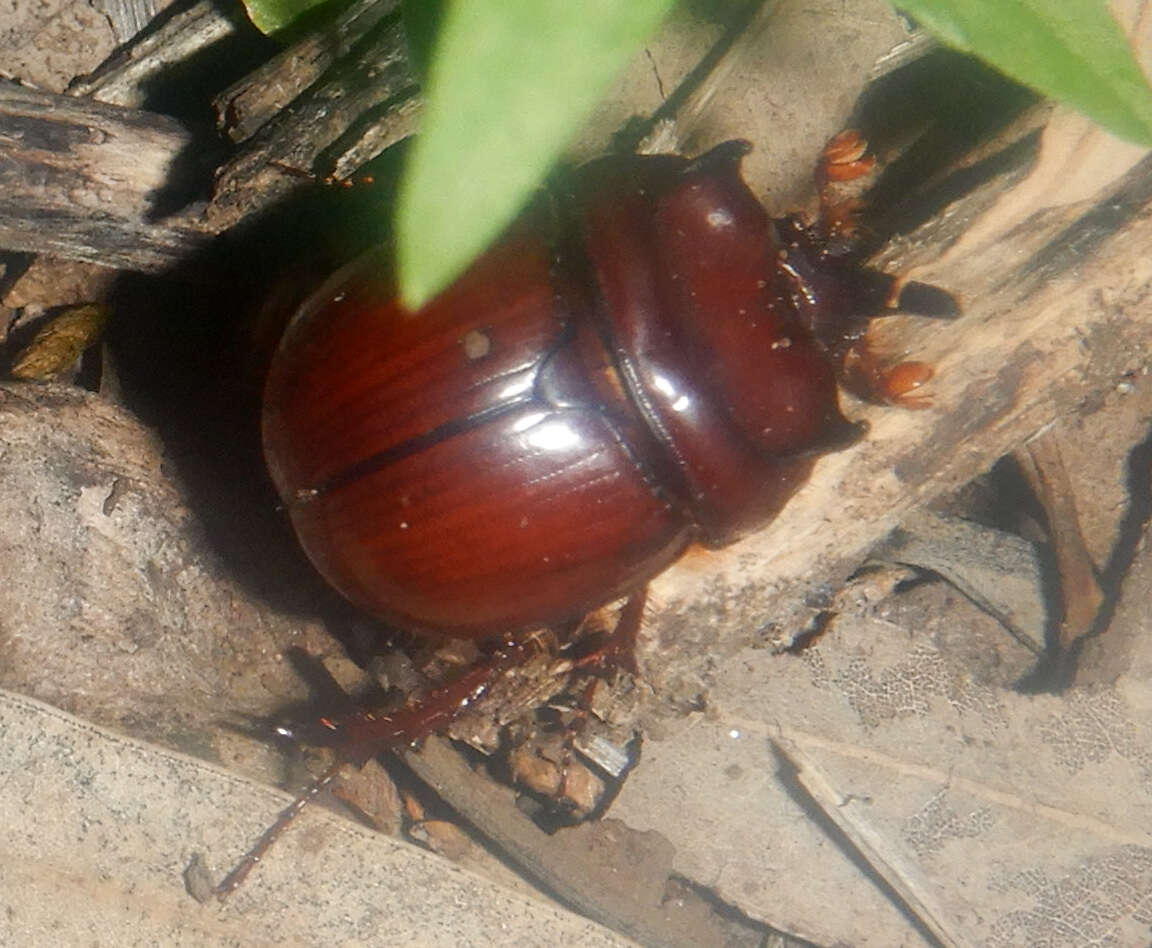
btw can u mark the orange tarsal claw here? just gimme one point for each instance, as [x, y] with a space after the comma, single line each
[891, 384]
[845, 158]
[904, 378]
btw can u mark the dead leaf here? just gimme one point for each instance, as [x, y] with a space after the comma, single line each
[55, 348]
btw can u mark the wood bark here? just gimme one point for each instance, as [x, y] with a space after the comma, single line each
[90, 181]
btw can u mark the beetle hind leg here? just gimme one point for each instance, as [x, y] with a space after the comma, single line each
[363, 733]
[618, 648]
[571, 765]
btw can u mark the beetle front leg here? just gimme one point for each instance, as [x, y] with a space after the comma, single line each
[866, 375]
[870, 376]
[844, 158]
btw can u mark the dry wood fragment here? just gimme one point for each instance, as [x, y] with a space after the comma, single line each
[124, 79]
[368, 90]
[120, 193]
[249, 104]
[90, 181]
[59, 344]
[1080, 592]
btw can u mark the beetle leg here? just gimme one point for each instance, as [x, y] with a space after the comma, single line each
[554, 771]
[362, 734]
[866, 375]
[619, 649]
[235, 878]
[844, 158]
[864, 372]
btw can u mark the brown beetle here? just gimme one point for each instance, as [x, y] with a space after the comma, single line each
[588, 400]
[646, 363]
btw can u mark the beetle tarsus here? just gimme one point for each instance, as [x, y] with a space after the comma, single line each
[231, 882]
[870, 377]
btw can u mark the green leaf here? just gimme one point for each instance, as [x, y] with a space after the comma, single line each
[510, 82]
[1071, 50]
[271, 16]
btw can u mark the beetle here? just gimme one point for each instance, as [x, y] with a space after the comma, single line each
[654, 365]
[645, 361]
